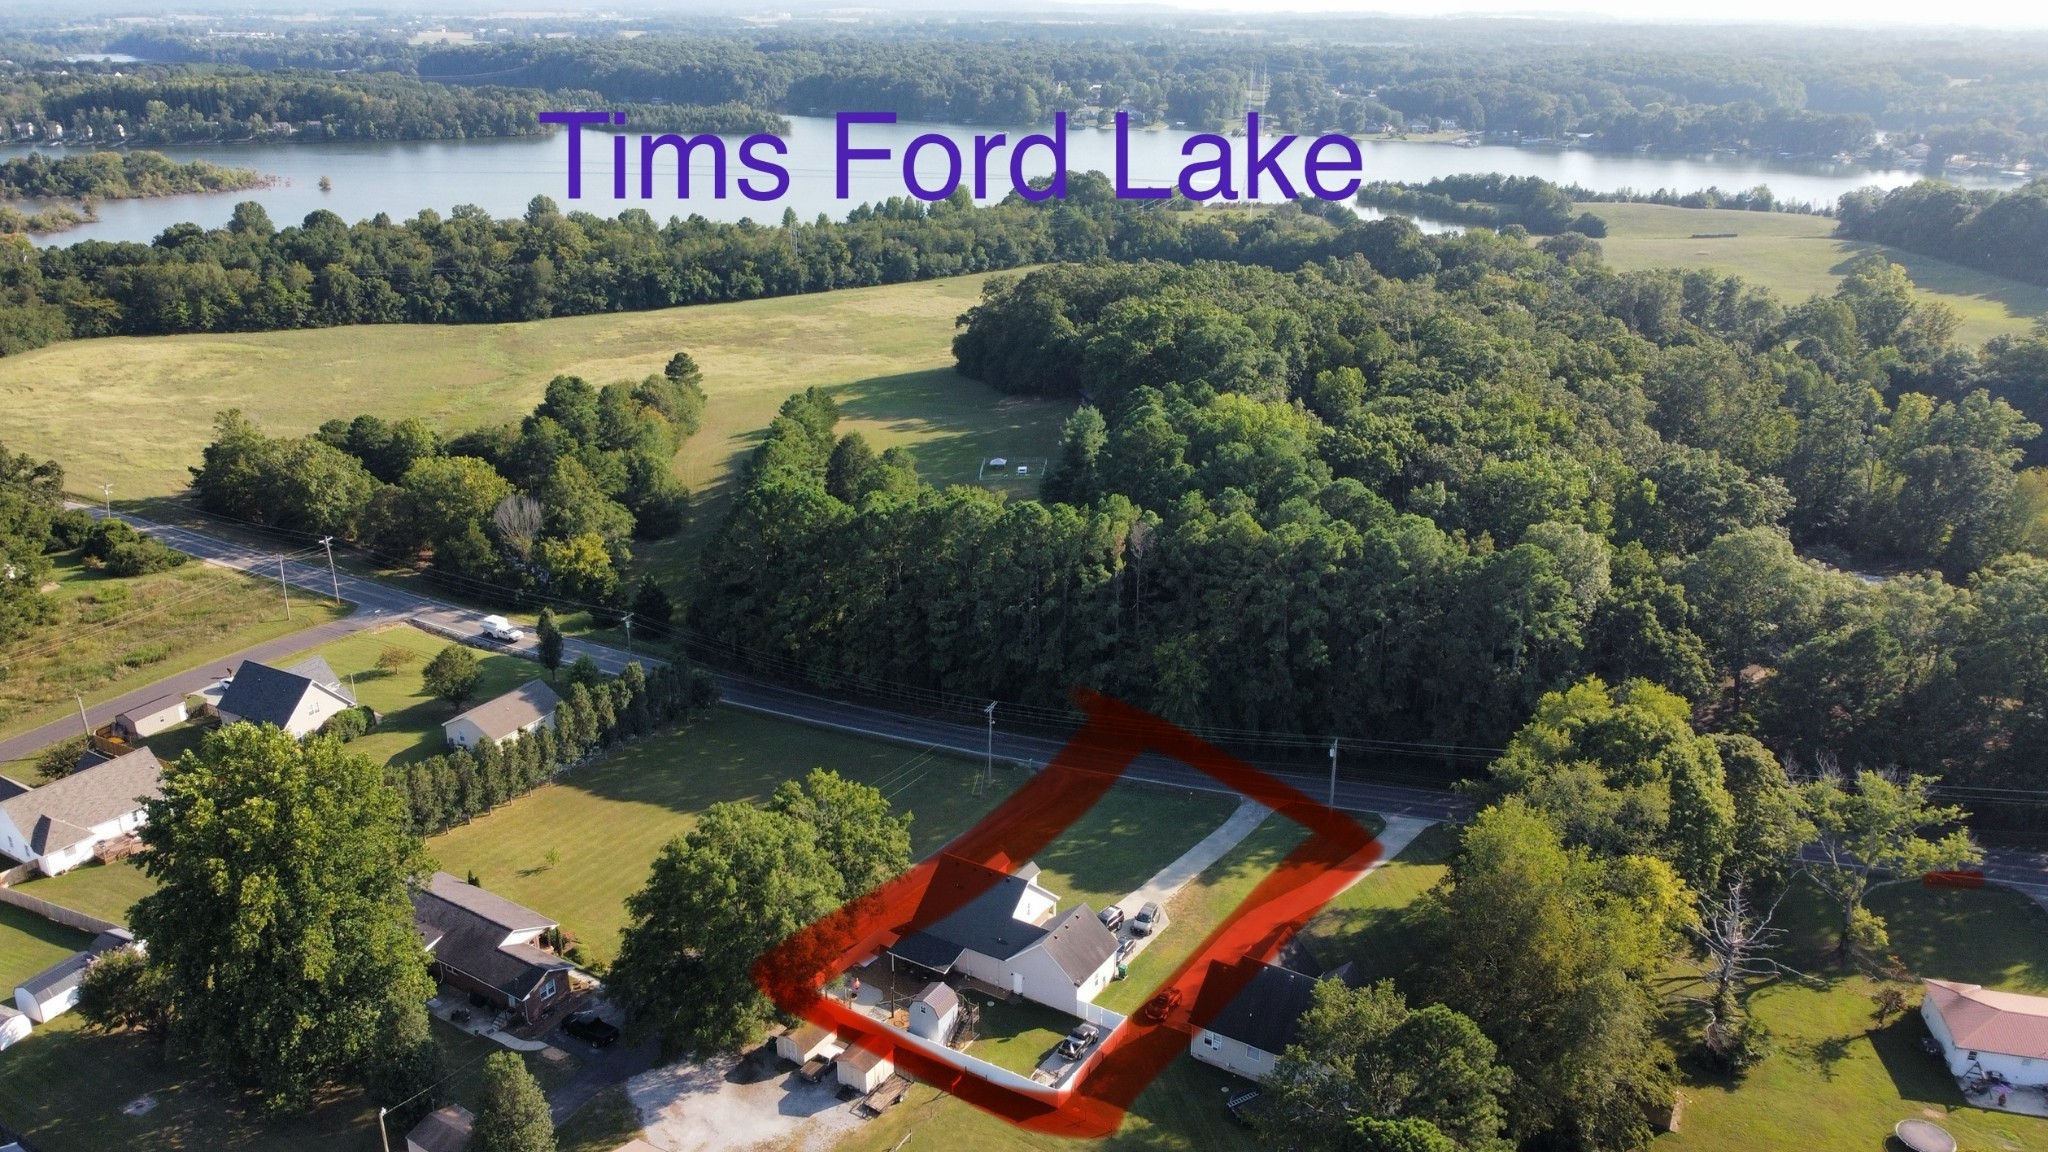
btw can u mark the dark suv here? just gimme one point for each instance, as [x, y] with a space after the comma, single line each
[589, 1026]
[1111, 917]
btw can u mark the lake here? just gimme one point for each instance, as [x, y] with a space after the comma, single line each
[502, 174]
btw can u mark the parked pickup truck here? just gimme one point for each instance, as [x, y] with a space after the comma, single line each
[503, 630]
[589, 1026]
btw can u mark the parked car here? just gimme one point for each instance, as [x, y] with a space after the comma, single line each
[500, 629]
[1148, 919]
[591, 1027]
[1079, 1041]
[1161, 1006]
[1111, 916]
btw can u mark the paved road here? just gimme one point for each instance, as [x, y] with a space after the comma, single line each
[380, 603]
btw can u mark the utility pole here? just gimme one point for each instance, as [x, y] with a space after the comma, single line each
[385, 1136]
[283, 587]
[1333, 772]
[107, 492]
[991, 710]
[83, 722]
[628, 622]
[327, 542]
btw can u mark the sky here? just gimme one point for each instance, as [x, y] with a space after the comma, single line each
[1978, 13]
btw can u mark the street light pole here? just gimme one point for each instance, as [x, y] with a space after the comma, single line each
[107, 492]
[628, 622]
[327, 542]
[381, 1133]
[1333, 772]
[991, 771]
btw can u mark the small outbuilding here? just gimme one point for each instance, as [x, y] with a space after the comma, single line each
[810, 1040]
[934, 1011]
[150, 718]
[527, 708]
[13, 1027]
[863, 1070]
[444, 1131]
[54, 991]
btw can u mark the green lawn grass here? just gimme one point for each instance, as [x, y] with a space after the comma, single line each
[1798, 256]
[410, 721]
[609, 820]
[64, 1087]
[1182, 1111]
[29, 944]
[107, 891]
[1016, 1036]
[602, 1124]
[113, 635]
[1834, 1078]
[1130, 834]
[1363, 926]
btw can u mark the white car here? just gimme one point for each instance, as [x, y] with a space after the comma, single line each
[500, 629]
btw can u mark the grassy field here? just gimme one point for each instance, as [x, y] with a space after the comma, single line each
[609, 820]
[601, 1125]
[113, 635]
[1798, 256]
[1363, 926]
[411, 716]
[1835, 1079]
[885, 354]
[103, 890]
[1124, 840]
[64, 1088]
[29, 944]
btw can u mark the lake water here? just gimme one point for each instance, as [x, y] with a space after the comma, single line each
[502, 174]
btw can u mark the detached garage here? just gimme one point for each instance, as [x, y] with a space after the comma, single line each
[864, 1070]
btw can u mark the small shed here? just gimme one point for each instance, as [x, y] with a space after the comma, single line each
[810, 1040]
[444, 1131]
[54, 991]
[863, 1070]
[13, 1026]
[152, 717]
[933, 1012]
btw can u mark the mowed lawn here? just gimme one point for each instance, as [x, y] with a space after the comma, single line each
[1797, 256]
[29, 944]
[64, 1088]
[107, 891]
[885, 354]
[410, 716]
[1130, 834]
[113, 635]
[607, 821]
[1834, 1078]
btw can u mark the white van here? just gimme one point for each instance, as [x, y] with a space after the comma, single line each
[499, 628]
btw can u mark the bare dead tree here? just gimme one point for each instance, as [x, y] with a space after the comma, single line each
[518, 518]
[1737, 941]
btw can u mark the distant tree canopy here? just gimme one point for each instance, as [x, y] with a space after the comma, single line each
[2002, 232]
[31, 496]
[116, 176]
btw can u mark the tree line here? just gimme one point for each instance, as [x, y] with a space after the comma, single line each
[1491, 200]
[547, 506]
[116, 176]
[1404, 496]
[2002, 232]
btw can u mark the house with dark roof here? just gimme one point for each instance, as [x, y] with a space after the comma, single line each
[485, 944]
[1001, 928]
[527, 708]
[54, 991]
[447, 1130]
[58, 826]
[150, 718]
[1253, 1012]
[298, 699]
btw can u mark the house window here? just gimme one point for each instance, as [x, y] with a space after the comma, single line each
[1211, 1041]
[547, 987]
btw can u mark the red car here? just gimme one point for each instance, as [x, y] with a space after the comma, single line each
[1159, 1007]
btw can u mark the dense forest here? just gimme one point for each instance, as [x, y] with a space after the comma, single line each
[2002, 232]
[1811, 94]
[116, 176]
[1404, 494]
[159, 105]
[1490, 200]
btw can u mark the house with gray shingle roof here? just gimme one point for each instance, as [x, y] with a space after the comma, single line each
[485, 944]
[298, 699]
[56, 827]
[1002, 929]
[527, 708]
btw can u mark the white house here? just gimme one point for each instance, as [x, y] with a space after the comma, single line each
[57, 827]
[1253, 1012]
[54, 991]
[527, 708]
[1982, 1031]
[148, 719]
[299, 699]
[13, 1027]
[999, 928]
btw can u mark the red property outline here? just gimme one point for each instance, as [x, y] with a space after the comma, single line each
[1093, 1104]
